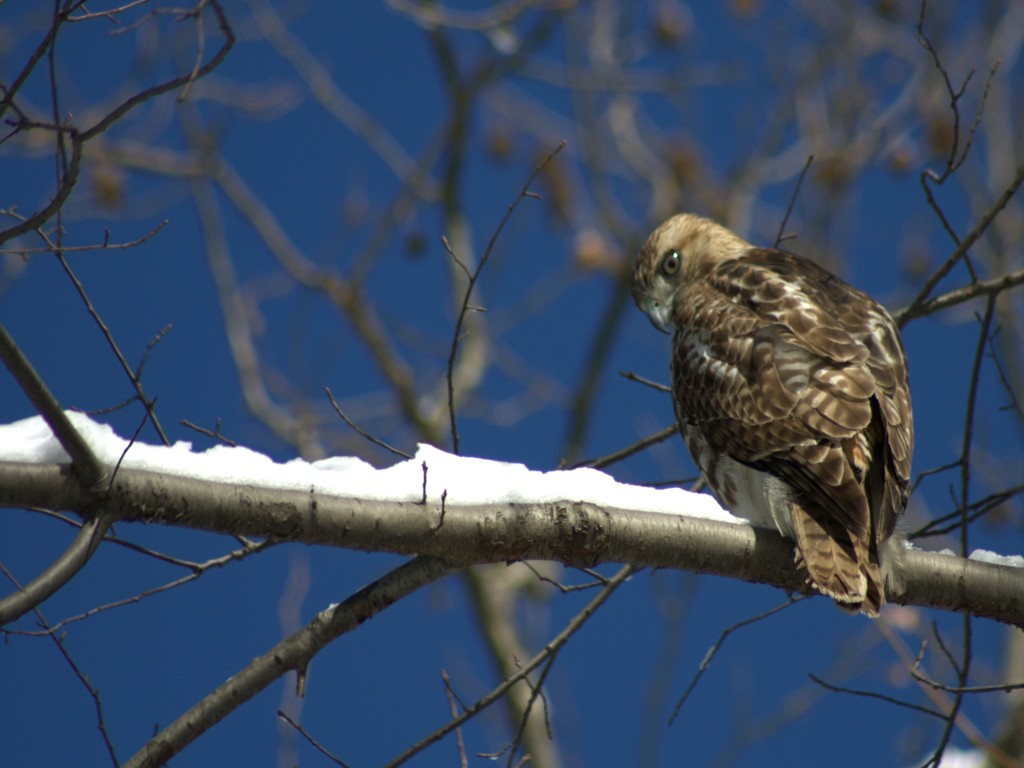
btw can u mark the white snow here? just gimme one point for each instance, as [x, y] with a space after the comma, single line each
[466, 480]
[962, 758]
[985, 556]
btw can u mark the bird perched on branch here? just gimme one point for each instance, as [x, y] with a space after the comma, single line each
[790, 389]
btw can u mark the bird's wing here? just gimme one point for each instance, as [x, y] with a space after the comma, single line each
[790, 370]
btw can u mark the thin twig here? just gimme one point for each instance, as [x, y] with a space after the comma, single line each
[977, 509]
[991, 287]
[363, 432]
[936, 696]
[293, 653]
[453, 705]
[1002, 687]
[157, 338]
[954, 160]
[140, 392]
[921, 306]
[104, 246]
[536, 691]
[197, 14]
[197, 570]
[313, 742]
[880, 696]
[956, 156]
[1014, 404]
[457, 334]
[630, 376]
[969, 416]
[714, 649]
[792, 201]
[127, 447]
[557, 642]
[963, 667]
[110, 14]
[563, 588]
[624, 453]
[215, 434]
[79, 138]
[925, 474]
[93, 692]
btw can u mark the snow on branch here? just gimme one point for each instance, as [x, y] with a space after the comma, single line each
[463, 510]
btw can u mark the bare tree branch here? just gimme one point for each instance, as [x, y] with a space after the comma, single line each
[792, 201]
[624, 453]
[464, 308]
[916, 307]
[882, 697]
[361, 431]
[292, 653]
[79, 138]
[58, 573]
[570, 532]
[90, 471]
[543, 656]
[313, 742]
[714, 649]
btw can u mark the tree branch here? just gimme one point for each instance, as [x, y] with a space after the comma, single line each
[464, 307]
[573, 533]
[59, 572]
[88, 467]
[79, 138]
[292, 653]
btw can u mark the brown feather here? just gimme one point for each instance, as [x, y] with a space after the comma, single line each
[791, 390]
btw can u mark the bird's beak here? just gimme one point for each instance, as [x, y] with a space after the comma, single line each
[658, 314]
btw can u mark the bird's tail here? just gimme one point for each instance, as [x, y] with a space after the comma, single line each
[838, 565]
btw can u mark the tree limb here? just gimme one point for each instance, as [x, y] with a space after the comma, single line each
[292, 653]
[59, 572]
[573, 533]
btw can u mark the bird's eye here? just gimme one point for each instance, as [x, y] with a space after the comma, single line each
[671, 263]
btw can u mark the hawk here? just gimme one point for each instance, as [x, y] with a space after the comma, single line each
[790, 390]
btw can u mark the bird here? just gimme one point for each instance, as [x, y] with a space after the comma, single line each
[791, 391]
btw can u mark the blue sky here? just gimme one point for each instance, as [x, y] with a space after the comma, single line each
[379, 689]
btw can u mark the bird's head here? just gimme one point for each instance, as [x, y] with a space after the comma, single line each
[681, 250]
